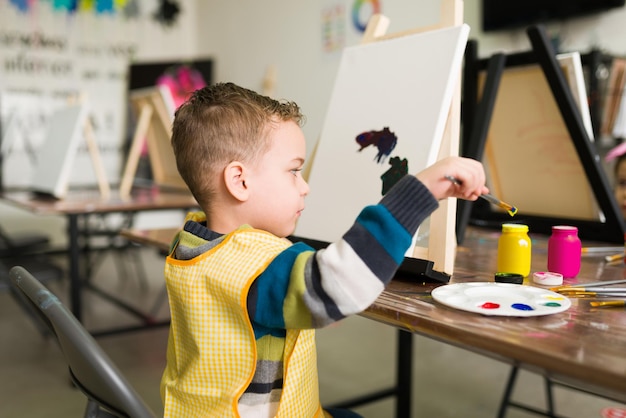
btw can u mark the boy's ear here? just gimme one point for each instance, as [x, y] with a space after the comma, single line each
[235, 180]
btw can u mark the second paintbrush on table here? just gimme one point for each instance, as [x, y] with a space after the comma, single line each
[512, 210]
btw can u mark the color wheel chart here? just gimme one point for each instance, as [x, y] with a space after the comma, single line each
[362, 10]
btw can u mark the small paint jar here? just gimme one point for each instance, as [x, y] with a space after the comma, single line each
[509, 278]
[514, 250]
[564, 251]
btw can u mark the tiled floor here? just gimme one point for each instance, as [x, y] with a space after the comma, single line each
[355, 356]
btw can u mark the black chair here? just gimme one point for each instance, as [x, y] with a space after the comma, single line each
[26, 249]
[108, 392]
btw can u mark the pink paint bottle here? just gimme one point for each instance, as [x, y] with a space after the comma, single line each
[564, 251]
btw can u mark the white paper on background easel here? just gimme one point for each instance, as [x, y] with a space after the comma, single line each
[405, 84]
[619, 126]
[56, 154]
[24, 117]
[572, 67]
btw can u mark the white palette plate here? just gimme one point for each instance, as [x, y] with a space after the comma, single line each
[501, 299]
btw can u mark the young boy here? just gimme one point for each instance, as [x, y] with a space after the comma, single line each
[244, 300]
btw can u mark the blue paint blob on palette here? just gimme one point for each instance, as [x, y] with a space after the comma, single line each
[501, 299]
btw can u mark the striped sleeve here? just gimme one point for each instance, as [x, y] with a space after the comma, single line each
[302, 288]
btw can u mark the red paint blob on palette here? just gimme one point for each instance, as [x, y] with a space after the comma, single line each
[490, 305]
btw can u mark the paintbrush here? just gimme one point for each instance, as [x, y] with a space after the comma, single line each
[512, 210]
[608, 303]
[592, 250]
[593, 289]
[593, 294]
[614, 258]
[596, 284]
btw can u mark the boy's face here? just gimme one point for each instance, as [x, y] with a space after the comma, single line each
[277, 187]
[620, 186]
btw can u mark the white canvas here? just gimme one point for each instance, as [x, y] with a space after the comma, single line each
[58, 151]
[24, 117]
[573, 69]
[406, 84]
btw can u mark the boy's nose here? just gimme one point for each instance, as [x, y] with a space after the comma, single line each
[305, 189]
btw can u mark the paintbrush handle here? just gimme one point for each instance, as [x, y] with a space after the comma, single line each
[615, 257]
[608, 295]
[608, 303]
[491, 199]
[594, 294]
[593, 289]
[488, 197]
[614, 250]
[605, 283]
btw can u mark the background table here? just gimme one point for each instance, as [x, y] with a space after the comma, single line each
[83, 203]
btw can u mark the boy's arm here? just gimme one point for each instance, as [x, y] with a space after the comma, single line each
[302, 288]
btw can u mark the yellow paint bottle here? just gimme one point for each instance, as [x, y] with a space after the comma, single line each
[514, 249]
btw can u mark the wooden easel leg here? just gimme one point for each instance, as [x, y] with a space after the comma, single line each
[376, 27]
[135, 151]
[442, 243]
[442, 240]
[103, 184]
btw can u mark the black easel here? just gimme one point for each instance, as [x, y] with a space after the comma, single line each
[613, 228]
[476, 132]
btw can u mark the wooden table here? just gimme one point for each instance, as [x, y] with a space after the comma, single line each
[160, 238]
[83, 203]
[583, 346]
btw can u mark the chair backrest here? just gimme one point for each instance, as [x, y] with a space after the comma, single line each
[90, 367]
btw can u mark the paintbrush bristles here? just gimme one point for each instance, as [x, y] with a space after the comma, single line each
[512, 210]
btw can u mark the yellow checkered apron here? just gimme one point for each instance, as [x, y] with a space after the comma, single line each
[211, 355]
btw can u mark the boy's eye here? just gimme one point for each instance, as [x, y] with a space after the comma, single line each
[295, 171]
